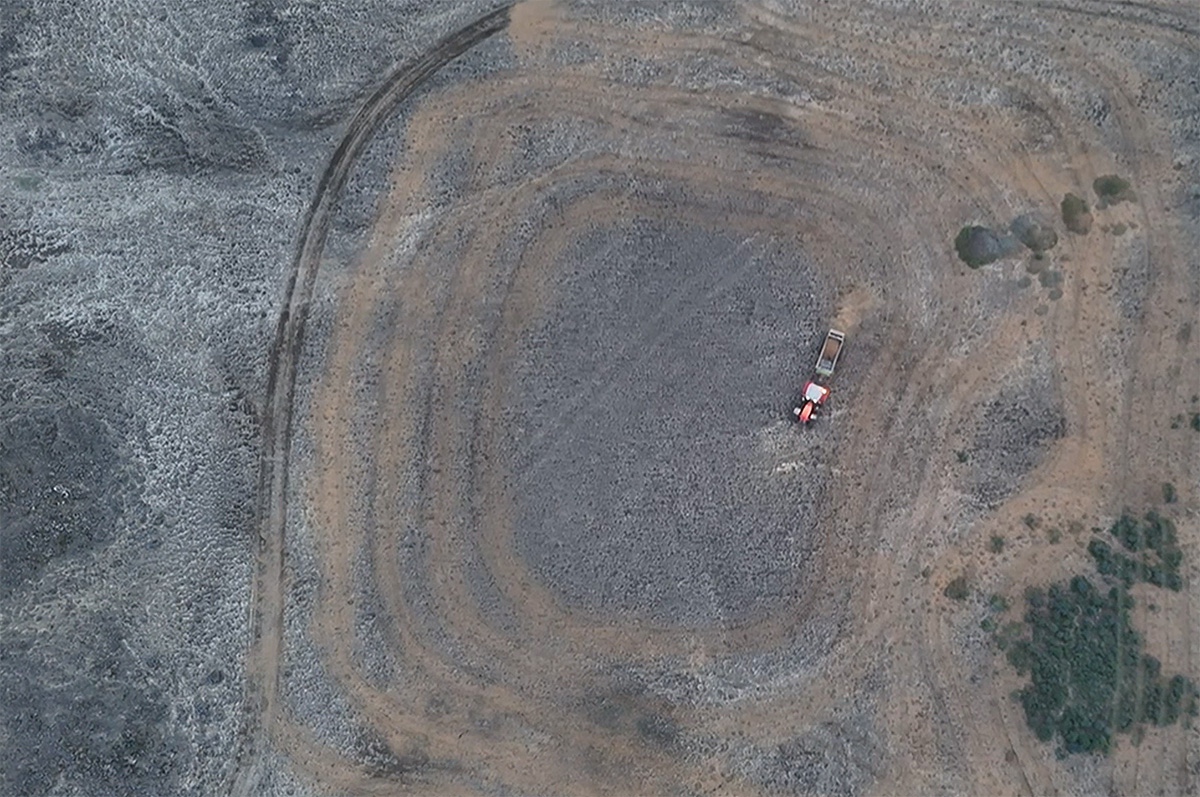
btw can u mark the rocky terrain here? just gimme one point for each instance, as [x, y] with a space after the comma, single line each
[396, 395]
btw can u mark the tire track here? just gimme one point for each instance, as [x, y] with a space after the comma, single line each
[267, 597]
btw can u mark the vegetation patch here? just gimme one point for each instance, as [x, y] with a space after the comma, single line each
[977, 246]
[1088, 676]
[996, 544]
[1050, 278]
[1153, 540]
[1112, 189]
[1089, 679]
[1076, 214]
[1034, 232]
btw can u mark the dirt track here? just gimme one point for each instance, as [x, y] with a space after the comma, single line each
[267, 605]
[564, 539]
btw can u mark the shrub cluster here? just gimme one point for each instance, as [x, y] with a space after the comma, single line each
[1088, 676]
[1113, 189]
[1154, 539]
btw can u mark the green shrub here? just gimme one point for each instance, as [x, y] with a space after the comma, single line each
[1050, 278]
[1112, 189]
[997, 603]
[957, 589]
[1168, 492]
[977, 246]
[996, 544]
[1035, 233]
[1076, 214]
[1127, 531]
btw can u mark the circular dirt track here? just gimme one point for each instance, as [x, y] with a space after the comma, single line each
[544, 524]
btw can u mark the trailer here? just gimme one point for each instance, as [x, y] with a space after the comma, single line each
[816, 393]
[827, 359]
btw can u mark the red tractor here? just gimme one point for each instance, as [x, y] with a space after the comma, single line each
[814, 394]
[814, 397]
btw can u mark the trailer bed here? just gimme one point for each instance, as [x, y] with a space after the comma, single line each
[827, 359]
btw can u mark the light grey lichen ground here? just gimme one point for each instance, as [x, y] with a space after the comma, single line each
[155, 165]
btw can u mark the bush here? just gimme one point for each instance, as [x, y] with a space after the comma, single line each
[1168, 493]
[996, 544]
[977, 246]
[1076, 214]
[957, 589]
[1050, 279]
[1126, 530]
[1034, 233]
[1112, 189]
